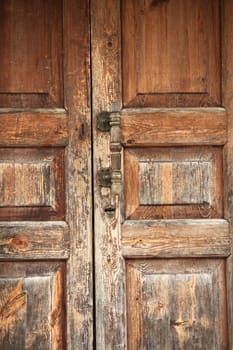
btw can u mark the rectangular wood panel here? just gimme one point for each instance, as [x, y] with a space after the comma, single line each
[173, 183]
[176, 238]
[39, 127]
[32, 184]
[32, 306]
[176, 304]
[34, 240]
[31, 38]
[173, 126]
[155, 177]
[166, 58]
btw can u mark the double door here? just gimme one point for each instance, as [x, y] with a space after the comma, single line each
[116, 180]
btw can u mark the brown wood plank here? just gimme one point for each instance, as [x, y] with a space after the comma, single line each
[79, 178]
[180, 304]
[174, 238]
[227, 100]
[34, 240]
[147, 127]
[109, 264]
[33, 128]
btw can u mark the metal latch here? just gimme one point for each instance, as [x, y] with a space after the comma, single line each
[105, 177]
[103, 121]
[111, 177]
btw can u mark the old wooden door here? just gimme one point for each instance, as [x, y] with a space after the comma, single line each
[45, 176]
[163, 246]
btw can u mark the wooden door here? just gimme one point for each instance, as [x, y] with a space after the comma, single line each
[45, 176]
[163, 263]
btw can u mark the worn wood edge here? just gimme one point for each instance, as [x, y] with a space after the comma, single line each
[110, 298]
[174, 111]
[33, 128]
[173, 238]
[34, 240]
[32, 111]
[77, 100]
[227, 100]
[207, 126]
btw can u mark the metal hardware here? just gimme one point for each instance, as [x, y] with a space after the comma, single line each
[111, 177]
[105, 177]
[103, 121]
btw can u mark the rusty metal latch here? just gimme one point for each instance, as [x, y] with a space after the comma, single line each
[105, 177]
[111, 177]
[103, 121]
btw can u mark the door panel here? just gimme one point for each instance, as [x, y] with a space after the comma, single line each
[32, 305]
[32, 40]
[177, 304]
[171, 53]
[167, 183]
[45, 176]
[158, 65]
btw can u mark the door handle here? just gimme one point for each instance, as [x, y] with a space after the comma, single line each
[111, 177]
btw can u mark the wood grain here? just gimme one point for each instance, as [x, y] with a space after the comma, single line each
[109, 264]
[166, 61]
[172, 192]
[29, 294]
[175, 182]
[79, 287]
[33, 128]
[33, 42]
[227, 100]
[176, 238]
[32, 184]
[27, 240]
[182, 304]
[187, 126]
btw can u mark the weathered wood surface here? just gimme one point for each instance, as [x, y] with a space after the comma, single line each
[34, 240]
[175, 182]
[32, 183]
[197, 282]
[31, 53]
[36, 125]
[160, 183]
[33, 128]
[176, 238]
[79, 175]
[187, 126]
[165, 65]
[227, 100]
[32, 305]
[176, 304]
[109, 264]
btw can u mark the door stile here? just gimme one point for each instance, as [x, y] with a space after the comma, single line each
[109, 264]
[79, 175]
[227, 100]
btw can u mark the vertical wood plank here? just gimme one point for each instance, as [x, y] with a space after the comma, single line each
[79, 215]
[227, 83]
[109, 264]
